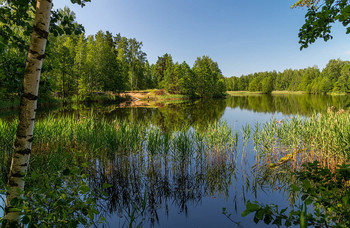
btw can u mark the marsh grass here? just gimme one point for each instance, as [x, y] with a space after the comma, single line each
[64, 141]
[135, 159]
[322, 137]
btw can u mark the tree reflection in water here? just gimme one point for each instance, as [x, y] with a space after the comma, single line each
[164, 172]
[160, 181]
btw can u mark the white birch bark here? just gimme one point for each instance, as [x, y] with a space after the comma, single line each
[24, 135]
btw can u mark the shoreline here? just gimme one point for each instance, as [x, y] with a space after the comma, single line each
[278, 92]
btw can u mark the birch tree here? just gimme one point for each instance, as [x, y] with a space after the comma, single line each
[35, 56]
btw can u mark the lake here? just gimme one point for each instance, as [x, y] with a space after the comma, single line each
[162, 193]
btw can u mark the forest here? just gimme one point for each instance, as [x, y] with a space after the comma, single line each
[78, 66]
[184, 163]
[335, 77]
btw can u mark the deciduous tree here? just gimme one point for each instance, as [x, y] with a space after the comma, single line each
[320, 17]
[19, 13]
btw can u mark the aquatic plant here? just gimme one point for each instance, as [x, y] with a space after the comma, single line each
[322, 137]
[133, 158]
[324, 199]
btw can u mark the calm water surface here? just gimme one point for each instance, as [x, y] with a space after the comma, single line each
[193, 196]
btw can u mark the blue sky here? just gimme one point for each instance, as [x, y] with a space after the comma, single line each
[242, 36]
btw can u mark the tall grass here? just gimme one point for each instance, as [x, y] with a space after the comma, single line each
[7, 133]
[59, 142]
[135, 159]
[322, 137]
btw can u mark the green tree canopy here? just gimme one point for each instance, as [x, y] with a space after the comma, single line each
[320, 17]
[208, 77]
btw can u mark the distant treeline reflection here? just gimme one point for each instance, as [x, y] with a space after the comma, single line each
[200, 112]
[305, 104]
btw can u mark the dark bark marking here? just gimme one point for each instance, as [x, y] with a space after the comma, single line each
[7, 210]
[24, 165]
[20, 175]
[12, 183]
[38, 56]
[31, 139]
[33, 52]
[42, 33]
[30, 96]
[24, 152]
[27, 70]
[20, 137]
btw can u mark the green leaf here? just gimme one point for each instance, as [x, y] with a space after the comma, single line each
[304, 197]
[66, 172]
[260, 213]
[14, 210]
[303, 220]
[283, 210]
[295, 188]
[106, 185]
[245, 213]
[308, 201]
[84, 189]
[288, 223]
[25, 220]
[267, 219]
[278, 221]
[251, 207]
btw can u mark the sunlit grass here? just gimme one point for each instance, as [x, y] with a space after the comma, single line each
[66, 140]
[322, 137]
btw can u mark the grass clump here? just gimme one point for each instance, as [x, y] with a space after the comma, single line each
[322, 137]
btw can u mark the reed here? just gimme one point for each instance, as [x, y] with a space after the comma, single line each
[322, 137]
[64, 141]
[134, 159]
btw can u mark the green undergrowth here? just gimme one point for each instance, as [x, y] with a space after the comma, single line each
[173, 96]
[323, 200]
[6, 104]
[50, 100]
[96, 97]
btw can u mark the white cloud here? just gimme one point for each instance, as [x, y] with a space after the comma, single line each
[347, 52]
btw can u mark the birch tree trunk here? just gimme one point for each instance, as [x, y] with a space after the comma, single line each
[24, 135]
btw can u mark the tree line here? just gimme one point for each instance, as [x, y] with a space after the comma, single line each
[80, 66]
[335, 77]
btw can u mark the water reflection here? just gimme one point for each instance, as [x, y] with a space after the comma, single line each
[157, 183]
[303, 104]
[145, 185]
[198, 112]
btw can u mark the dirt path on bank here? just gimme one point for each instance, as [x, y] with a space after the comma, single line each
[135, 95]
[142, 98]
